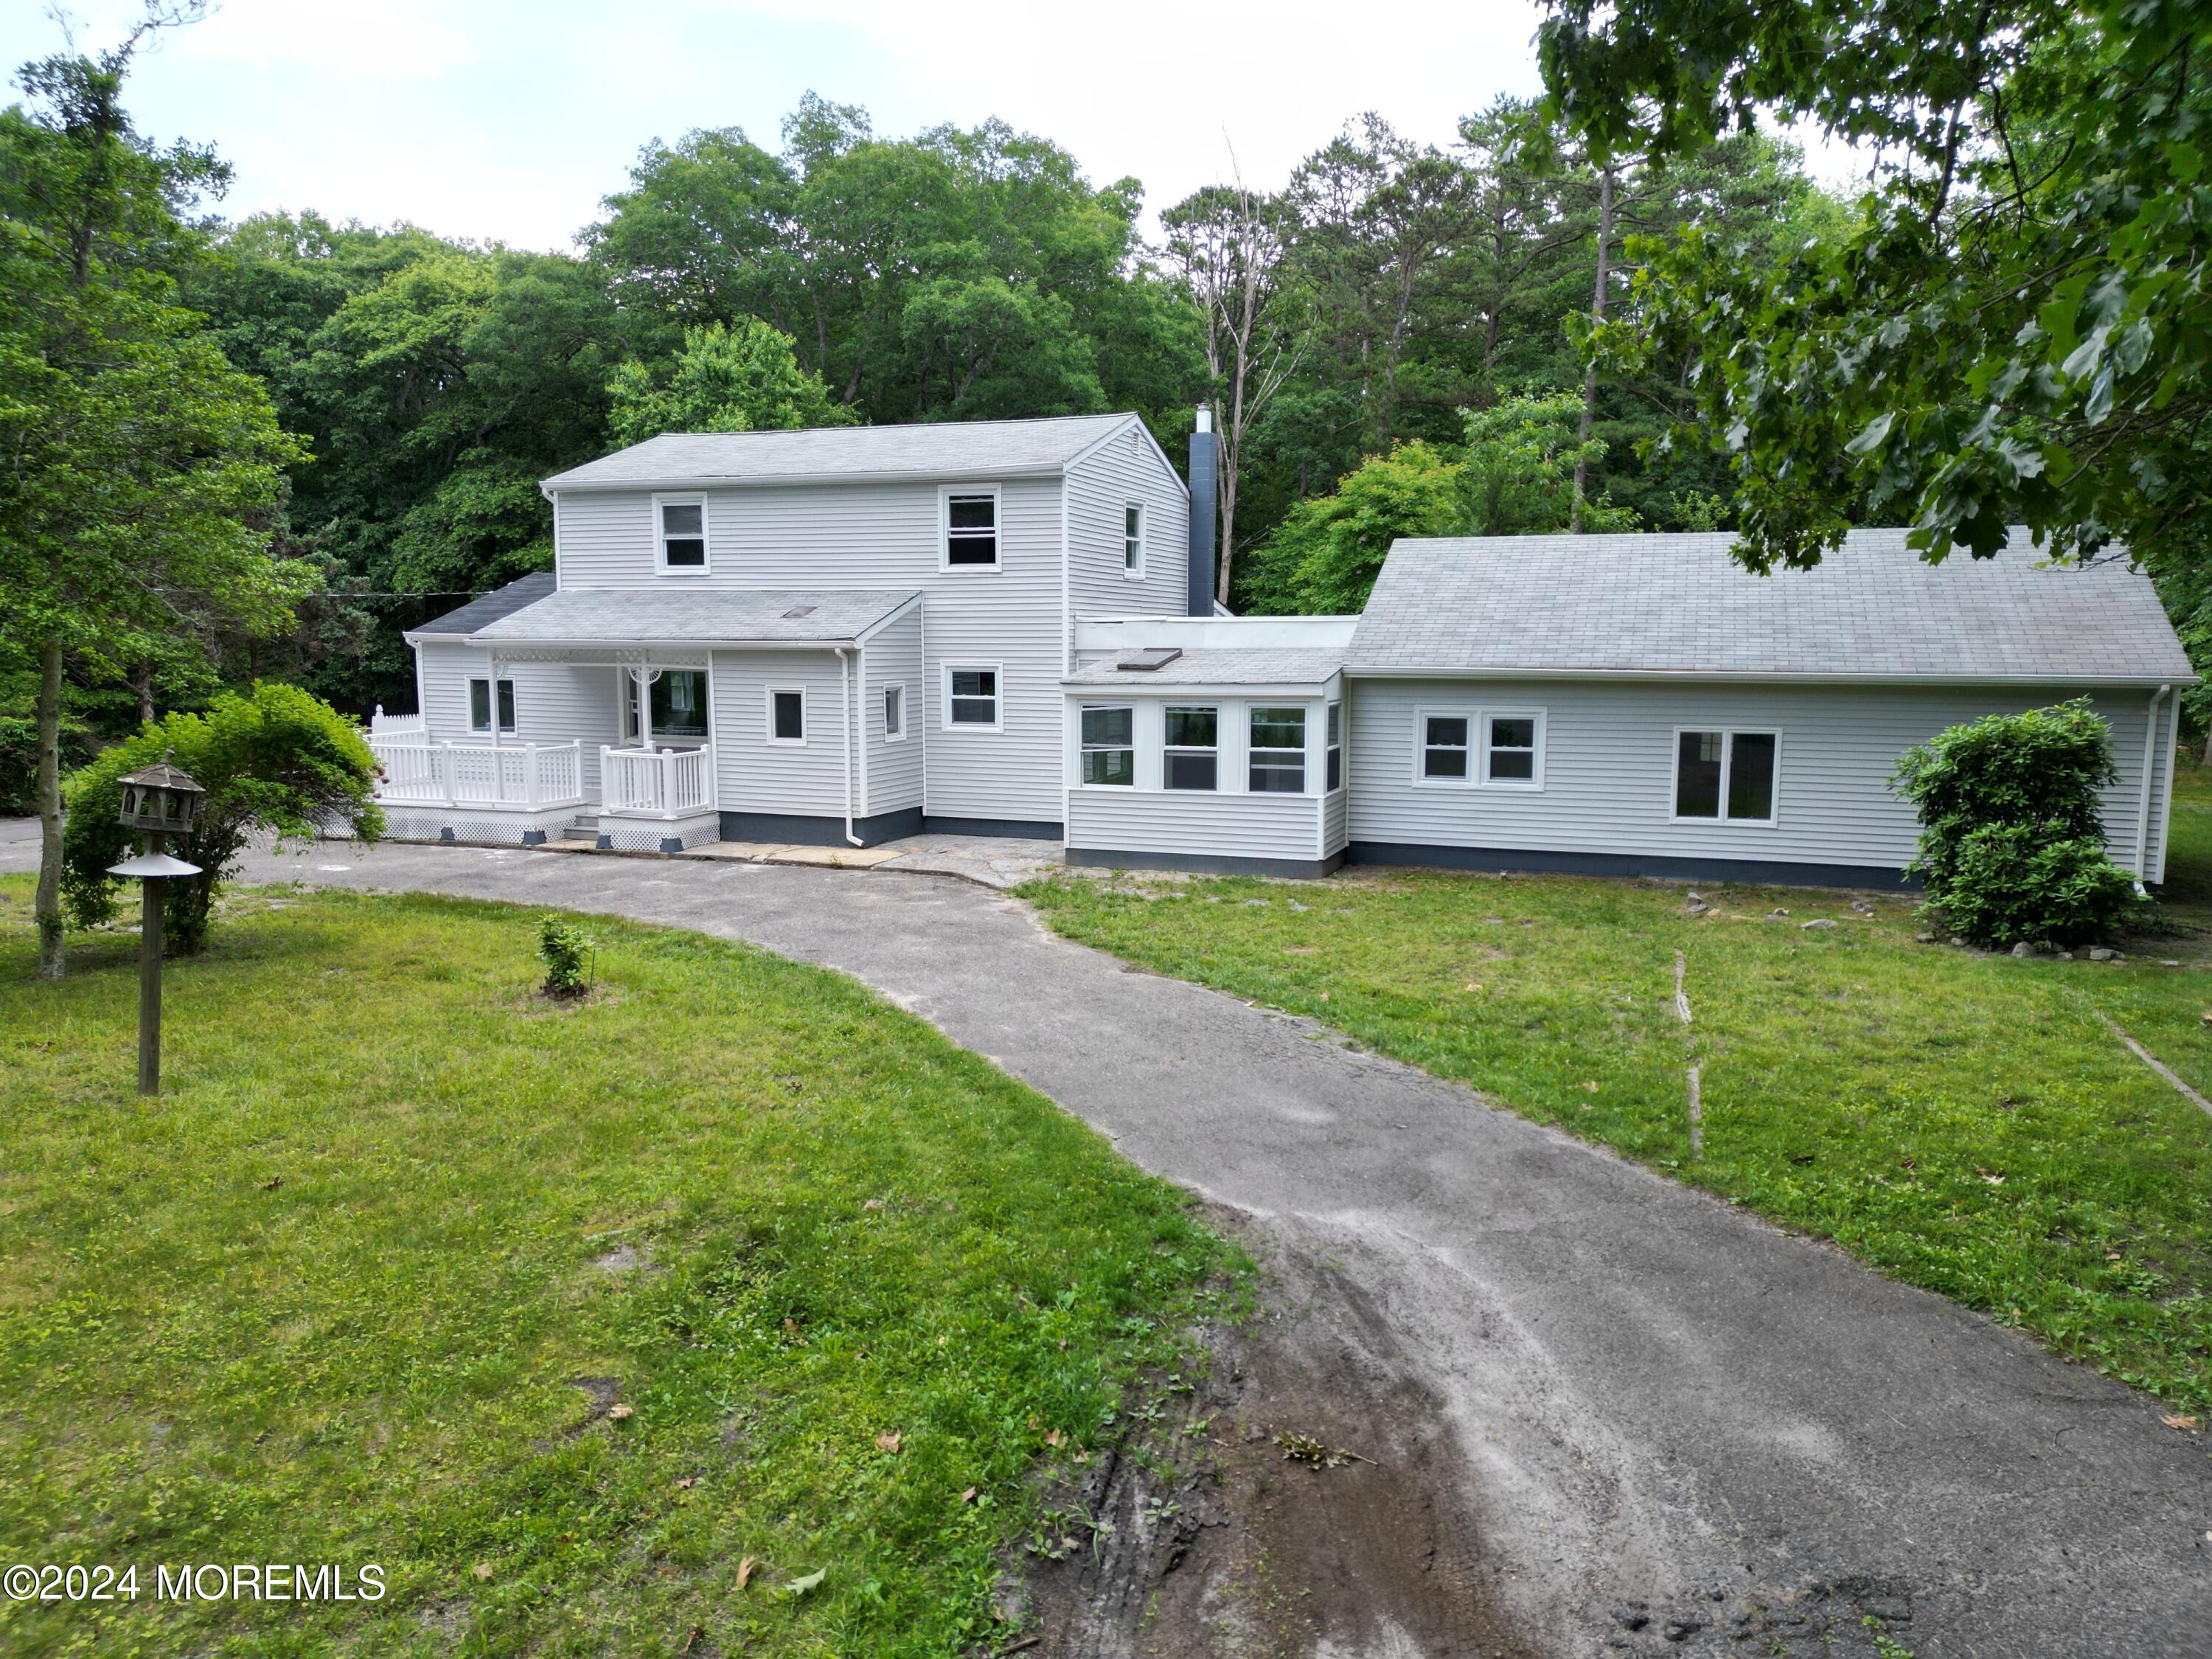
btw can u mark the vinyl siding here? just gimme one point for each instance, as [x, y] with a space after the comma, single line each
[1608, 769]
[1178, 821]
[554, 702]
[1127, 468]
[1335, 815]
[886, 535]
[894, 657]
[752, 775]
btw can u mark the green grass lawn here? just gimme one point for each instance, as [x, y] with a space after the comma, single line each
[1962, 1123]
[333, 1299]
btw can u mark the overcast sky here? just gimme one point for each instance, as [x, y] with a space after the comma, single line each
[509, 119]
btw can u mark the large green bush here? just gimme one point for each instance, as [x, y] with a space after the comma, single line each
[2012, 830]
[274, 761]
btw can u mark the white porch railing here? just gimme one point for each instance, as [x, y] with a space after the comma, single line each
[665, 783]
[419, 771]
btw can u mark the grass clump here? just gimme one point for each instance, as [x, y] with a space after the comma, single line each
[562, 1320]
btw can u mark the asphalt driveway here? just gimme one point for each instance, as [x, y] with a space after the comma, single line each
[1663, 1399]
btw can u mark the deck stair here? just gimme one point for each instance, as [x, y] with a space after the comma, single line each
[586, 828]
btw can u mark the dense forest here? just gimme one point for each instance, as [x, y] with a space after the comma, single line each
[1387, 318]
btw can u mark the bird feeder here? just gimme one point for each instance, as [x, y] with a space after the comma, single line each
[160, 800]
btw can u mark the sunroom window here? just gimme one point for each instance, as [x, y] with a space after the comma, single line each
[1190, 758]
[1278, 751]
[1110, 746]
[1725, 775]
[1444, 746]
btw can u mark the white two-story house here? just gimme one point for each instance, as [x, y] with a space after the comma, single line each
[1007, 627]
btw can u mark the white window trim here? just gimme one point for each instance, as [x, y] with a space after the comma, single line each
[1082, 748]
[1305, 751]
[998, 672]
[1529, 786]
[495, 681]
[768, 705]
[905, 715]
[661, 535]
[1225, 717]
[1134, 572]
[944, 495]
[1478, 747]
[1451, 712]
[1728, 765]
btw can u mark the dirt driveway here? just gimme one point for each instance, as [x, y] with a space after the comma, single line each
[1666, 1427]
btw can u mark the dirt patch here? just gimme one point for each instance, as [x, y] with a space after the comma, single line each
[1205, 1539]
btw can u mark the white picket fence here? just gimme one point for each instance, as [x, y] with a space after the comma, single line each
[420, 772]
[665, 783]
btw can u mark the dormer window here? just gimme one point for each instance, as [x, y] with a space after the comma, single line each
[971, 527]
[683, 533]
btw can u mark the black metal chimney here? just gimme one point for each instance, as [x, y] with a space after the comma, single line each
[1205, 511]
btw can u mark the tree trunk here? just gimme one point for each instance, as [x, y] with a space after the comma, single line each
[48, 903]
[142, 684]
[1597, 314]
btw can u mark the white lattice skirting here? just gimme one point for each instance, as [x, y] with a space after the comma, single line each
[511, 829]
[654, 834]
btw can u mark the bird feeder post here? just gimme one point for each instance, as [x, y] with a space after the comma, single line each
[160, 801]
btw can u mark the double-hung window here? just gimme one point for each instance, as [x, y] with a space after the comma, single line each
[971, 528]
[1725, 775]
[682, 536]
[1278, 751]
[1132, 539]
[1510, 749]
[971, 697]
[894, 713]
[1444, 744]
[1110, 745]
[1336, 772]
[1190, 758]
[480, 698]
[786, 716]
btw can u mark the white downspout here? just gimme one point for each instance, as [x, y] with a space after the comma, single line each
[845, 732]
[2142, 810]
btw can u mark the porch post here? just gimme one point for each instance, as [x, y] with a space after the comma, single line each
[445, 760]
[529, 791]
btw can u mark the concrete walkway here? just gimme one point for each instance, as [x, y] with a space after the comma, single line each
[1666, 1402]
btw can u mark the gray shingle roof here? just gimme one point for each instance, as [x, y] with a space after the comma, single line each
[490, 607]
[611, 616]
[933, 449]
[1677, 603]
[1228, 665]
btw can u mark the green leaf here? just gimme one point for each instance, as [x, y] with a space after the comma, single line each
[1872, 435]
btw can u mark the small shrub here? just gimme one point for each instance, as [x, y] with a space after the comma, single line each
[566, 950]
[2012, 831]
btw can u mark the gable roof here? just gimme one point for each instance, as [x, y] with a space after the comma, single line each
[974, 449]
[1677, 604]
[616, 616]
[490, 607]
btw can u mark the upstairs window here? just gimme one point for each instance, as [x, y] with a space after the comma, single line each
[683, 533]
[894, 713]
[1278, 753]
[971, 529]
[1110, 746]
[971, 697]
[1191, 757]
[1132, 539]
[1725, 775]
[480, 696]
